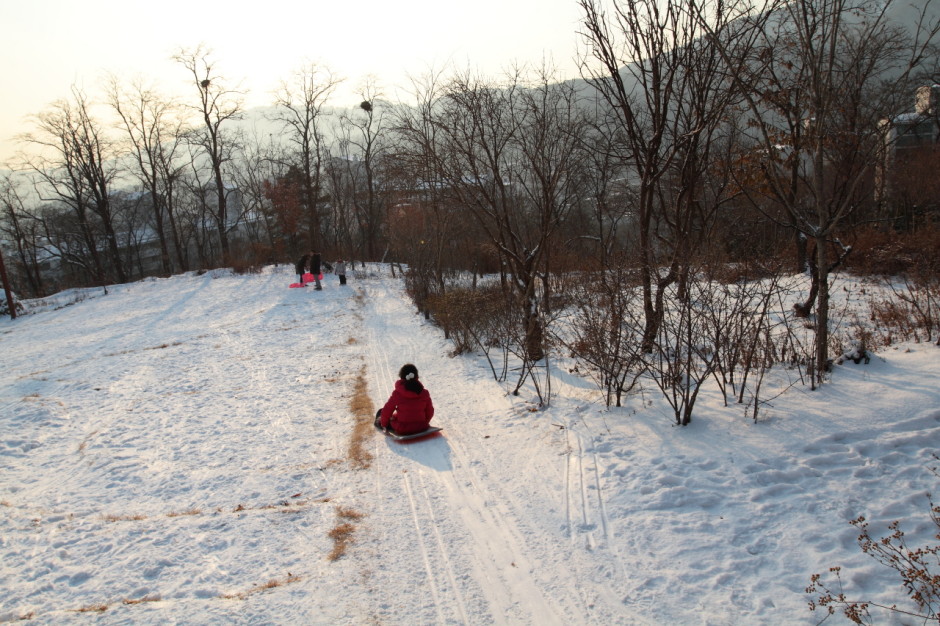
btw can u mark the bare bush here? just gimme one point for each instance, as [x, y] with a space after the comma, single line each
[737, 322]
[420, 286]
[913, 313]
[683, 355]
[917, 567]
[607, 332]
[889, 253]
[475, 319]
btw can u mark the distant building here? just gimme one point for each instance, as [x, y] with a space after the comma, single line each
[911, 140]
[920, 128]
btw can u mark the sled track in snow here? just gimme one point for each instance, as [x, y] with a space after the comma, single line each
[423, 548]
[486, 559]
[423, 521]
[439, 569]
[448, 499]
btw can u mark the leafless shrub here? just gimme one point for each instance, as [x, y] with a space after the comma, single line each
[683, 357]
[420, 286]
[917, 567]
[911, 314]
[750, 339]
[920, 292]
[892, 320]
[607, 332]
[244, 266]
[475, 319]
[887, 252]
[855, 342]
[468, 317]
[736, 320]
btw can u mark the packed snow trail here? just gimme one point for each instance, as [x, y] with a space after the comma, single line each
[437, 481]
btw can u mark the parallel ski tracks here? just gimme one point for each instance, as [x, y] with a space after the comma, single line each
[579, 483]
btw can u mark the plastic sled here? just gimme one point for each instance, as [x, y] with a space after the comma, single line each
[296, 285]
[308, 278]
[424, 433]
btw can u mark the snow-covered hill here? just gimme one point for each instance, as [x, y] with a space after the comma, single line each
[176, 452]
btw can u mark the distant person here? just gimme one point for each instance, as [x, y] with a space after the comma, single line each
[409, 409]
[340, 268]
[303, 266]
[315, 268]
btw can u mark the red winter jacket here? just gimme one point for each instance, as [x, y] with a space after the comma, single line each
[407, 412]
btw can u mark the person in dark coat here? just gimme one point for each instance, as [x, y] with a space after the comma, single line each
[409, 409]
[303, 266]
[315, 268]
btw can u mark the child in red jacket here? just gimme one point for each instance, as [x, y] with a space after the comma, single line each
[409, 409]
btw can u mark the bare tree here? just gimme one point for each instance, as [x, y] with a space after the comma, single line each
[341, 185]
[22, 230]
[512, 156]
[76, 166]
[154, 131]
[7, 289]
[424, 228]
[301, 105]
[363, 139]
[671, 92]
[267, 182]
[218, 105]
[826, 75]
[608, 213]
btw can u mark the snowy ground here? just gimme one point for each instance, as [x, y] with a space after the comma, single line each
[176, 452]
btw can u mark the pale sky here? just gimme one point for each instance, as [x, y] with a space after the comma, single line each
[46, 46]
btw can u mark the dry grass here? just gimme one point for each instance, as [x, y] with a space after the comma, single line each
[285, 506]
[93, 608]
[342, 534]
[363, 413]
[162, 346]
[84, 444]
[142, 600]
[292, 505]
[124, 518]
[25, 617]
[271, 584]
[347, 513]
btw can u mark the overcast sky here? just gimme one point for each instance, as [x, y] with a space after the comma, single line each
[46, 46]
